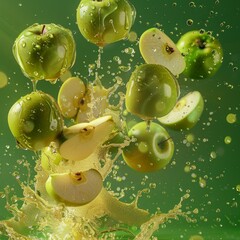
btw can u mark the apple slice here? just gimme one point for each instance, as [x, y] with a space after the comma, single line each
[84, 138]
[70, 95]
[74, 189]
[96, 102]
[157, 48]
[186, 112]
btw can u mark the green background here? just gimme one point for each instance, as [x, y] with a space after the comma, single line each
[218, 202]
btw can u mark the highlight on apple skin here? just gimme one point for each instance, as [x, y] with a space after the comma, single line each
[202, 52]
[152, 147]
[106, 21]
[45, 51]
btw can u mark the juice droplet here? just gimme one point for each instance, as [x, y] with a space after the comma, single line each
[189, 22]
[202, 182]
[3, 80]
[213, 155]
[231, 118]
[196, 237]
[227, 139]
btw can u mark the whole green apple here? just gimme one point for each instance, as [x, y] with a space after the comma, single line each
[45, 51]
[105, 21]
[35, 120]
[151, 150]
[152, 91]
[202, 52]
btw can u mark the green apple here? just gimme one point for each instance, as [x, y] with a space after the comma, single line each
[202, 52]
[71, 96]
[151, 149]
[35, 120]
[74, 189]
[186, 112]
[157, 48]
[105, 21]
[45, 51]
[152, 91]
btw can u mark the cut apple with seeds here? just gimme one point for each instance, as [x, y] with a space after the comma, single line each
[95, 104]
[70, 95]
[84, 138]
[157, 48]
[186, 112]
[74, 189]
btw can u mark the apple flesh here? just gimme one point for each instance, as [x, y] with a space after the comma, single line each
[157, 48]
[186, 113]
[83, 139]
[35, 120]
[74, 189]
[202, 52]
[70, 96]
[152, 91]
[151, 149]
[105, 21]
[45, 51]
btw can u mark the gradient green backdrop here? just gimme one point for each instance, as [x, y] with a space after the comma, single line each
[218, 202]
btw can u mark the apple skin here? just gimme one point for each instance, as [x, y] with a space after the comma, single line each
[35, 121]
[45, 51]
[152, 150]
[106, 21]
[188, 120]
[152, 91]
[202, 52]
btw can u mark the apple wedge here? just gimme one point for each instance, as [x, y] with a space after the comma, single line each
[157, 48]
[186, 112]
[84, 138]
[70, 96]
[74, 189]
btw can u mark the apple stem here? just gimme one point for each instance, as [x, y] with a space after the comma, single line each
[160, 144]
[200, 43]
[43, 29]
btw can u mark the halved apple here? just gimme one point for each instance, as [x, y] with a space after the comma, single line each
[157, 48]
[84, 138]
[70, 96]
[186, 112]
[73, 189]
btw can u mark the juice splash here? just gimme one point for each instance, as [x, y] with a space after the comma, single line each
[40, 217]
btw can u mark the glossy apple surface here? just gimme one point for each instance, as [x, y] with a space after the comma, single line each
[151, 150]
[74, 189]
[202, 52]
[105, 21]
[35, 120]
[157, 48]
[152, 91]
[186, 113]
[45, 51]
